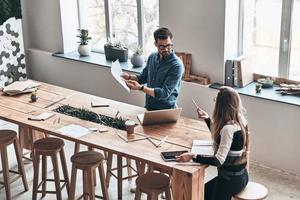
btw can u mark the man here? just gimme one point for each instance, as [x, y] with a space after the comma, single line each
[162, 74]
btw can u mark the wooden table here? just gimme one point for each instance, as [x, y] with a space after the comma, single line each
[187, 178]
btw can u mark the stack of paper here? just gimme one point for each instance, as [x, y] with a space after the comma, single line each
[20, 87]
[203, 147]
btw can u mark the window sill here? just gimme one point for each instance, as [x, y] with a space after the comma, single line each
[98, 59]
[266, 93]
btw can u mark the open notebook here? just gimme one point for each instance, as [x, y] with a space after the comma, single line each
[203, 147]
[159, 116]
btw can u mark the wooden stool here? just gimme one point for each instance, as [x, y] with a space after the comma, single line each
[253, 191]
[49, 147]
[110, 170]
[153, 184]
[88, 161]
[8, 137]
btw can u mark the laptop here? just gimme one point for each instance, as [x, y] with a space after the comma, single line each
[159, 116]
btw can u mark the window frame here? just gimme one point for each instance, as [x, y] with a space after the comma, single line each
[285, 36]
[108, 22]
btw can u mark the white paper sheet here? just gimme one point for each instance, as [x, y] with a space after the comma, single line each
[74, 130]
[116, 71]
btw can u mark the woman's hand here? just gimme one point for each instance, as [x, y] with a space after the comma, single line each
[185, 157]
[134, 85]
[202, 114]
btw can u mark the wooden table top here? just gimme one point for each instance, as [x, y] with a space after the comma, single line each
[16, 109]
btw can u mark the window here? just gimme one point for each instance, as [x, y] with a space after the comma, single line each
[128, 21]
[271, 36]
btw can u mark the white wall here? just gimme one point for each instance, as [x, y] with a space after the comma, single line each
[275, 126]
[198, 28]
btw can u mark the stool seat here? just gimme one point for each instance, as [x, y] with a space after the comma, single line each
[7, 136]
[87, 158]
[253, 191]
[153, 181]
[48, 144]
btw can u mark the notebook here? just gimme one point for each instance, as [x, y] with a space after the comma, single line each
[159, 116]
[203, 147]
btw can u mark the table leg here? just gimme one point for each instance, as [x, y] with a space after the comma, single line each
[188, 186]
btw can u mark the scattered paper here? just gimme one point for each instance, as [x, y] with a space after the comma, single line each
[20, 87]
[74, 130]
[116, 71]
[41, 117]
[203, 147]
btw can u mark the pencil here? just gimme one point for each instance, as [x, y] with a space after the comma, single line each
[152, 141]
[121, 136]
[195, 103]
[162, 141]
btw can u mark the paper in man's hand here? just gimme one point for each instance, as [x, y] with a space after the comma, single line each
[116, 71]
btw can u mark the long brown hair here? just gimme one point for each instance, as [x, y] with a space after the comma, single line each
[228, 109]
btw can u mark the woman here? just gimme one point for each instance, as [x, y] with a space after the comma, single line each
[230, 136]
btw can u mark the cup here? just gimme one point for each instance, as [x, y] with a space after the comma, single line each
[130, 124]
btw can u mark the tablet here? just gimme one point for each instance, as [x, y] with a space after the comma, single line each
[170, 155]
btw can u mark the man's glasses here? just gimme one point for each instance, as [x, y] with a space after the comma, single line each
[168, 46]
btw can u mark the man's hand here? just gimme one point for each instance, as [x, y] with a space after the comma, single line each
[134, 85]
[125, 76]
[185, 157]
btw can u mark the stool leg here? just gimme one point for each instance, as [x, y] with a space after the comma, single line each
[129, 171]
[154, 196]
[20, 163]
[56, 176]
[5, 171]
[36, 166]
[85, 192]
[94, 172]
[109, 166]
[44, 175]
[102, 180]
[168, 194]
[73, 183]
[90, 184]
[65, 170]
[138, 194]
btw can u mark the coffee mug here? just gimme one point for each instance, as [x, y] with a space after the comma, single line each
[130, 124]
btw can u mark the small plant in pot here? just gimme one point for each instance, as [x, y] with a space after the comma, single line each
[116, 51]
[84, 47]
[137, 59]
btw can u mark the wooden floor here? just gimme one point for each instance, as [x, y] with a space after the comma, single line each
[281, 185]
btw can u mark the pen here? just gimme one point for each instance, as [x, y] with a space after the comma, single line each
[99, 105]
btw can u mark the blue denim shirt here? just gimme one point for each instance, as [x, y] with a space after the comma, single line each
[164, 76]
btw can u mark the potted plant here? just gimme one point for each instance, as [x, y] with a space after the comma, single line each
[137, 59]
[84, 47]
[116, 51]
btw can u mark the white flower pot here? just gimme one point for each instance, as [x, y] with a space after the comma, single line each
[137, 60]
[84, 50]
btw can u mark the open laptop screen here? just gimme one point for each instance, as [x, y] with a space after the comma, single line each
[159, 116]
